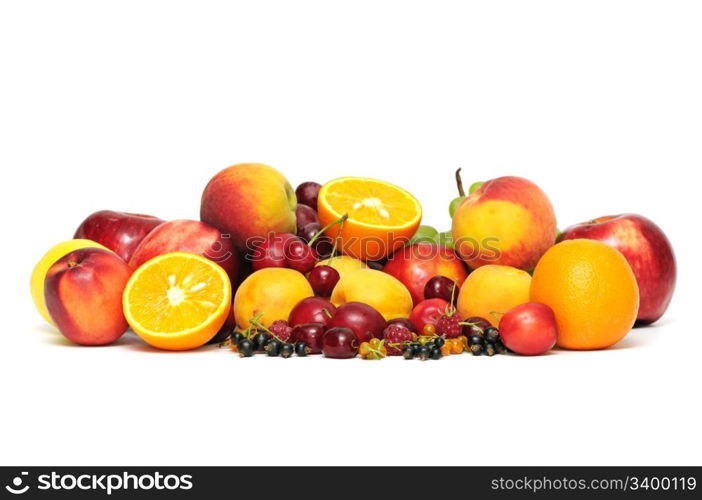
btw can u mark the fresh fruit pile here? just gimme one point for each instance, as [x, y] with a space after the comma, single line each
[345, 269]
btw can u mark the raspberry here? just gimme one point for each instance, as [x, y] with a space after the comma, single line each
[281, 329]
[395, 337]
[449, 326]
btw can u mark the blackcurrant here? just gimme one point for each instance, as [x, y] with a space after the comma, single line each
[476, 339]
[273, 347]
[286, 350]
[489, 348]
[491, 334]
[236, 337]
[260, 340]
[435, 353]
[245, 348]
[302, 349]
[424, 353]
[408, 352]
[439, 342]
[476, 349]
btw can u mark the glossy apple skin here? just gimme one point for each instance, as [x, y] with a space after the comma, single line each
[648, 251]
[121, 232]
[193, 237]
[83, 293]
[340, 343]
[529, 329]
[362, 319]
[312, 310]
[416, 264]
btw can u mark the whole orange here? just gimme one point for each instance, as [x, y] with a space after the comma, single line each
[592, 291]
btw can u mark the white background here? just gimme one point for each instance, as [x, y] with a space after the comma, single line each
[135, 105]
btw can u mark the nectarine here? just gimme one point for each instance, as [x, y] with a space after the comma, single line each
[83, 293]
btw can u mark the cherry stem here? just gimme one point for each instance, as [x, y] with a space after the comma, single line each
[319, 233]
[459, 183]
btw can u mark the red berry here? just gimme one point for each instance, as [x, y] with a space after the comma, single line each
[449, 326]
[281, 329]
[311, 334]
[300, 256]
[323, 279]
[395, 337]
[339, 342]
[428, 312]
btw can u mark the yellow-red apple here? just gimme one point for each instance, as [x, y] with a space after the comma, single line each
[508, 221]
[249, 200]
[83, 293]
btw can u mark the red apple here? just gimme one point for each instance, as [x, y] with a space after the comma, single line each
[648, 251]
[83, 293]
[193, 237]
[529, 329]
[121, 232]
[416, 264]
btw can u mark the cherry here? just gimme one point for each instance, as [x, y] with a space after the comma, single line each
[271, 251]
[362, 319]
[428, 312]
[323, 244]
[475, 325]
[403, 322]
[323, 280]
[300, 256]
[312, 310]
[441, 287]
[305, 215]
[339, 342]
[311, 334]
[307, 193]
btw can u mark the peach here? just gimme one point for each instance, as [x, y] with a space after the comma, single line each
[490, 291]
[508, 221]
[248, 201]
[416, 264]
[382, 292]
[83, 293]
[189, 236]
[269, 294]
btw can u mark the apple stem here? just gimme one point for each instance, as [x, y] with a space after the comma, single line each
[459, 183]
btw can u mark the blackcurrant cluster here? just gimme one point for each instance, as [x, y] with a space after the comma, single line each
[424, 351]
[262, 342]
[488, 342]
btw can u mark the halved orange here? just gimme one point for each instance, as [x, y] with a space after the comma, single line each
[381, 216]
[177, 301]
